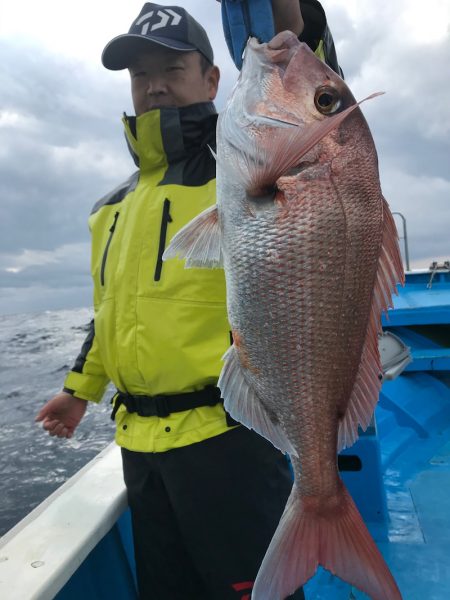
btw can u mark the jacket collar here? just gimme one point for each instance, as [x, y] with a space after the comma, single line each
[164, 136]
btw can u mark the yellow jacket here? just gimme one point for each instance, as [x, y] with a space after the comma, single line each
[158, 328]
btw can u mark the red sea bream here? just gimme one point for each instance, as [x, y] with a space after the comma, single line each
[311, 258]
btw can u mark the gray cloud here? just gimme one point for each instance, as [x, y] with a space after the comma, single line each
[62, 149]
[410, 123]
[62, 146]
[35, 280]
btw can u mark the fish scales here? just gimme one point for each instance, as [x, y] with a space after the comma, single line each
[311, 259]
[294, 303]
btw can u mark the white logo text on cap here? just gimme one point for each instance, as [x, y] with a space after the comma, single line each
[164, 20]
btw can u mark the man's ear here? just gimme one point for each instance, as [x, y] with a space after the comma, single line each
[213, 76]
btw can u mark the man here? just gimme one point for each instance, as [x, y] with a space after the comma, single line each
[205, 493]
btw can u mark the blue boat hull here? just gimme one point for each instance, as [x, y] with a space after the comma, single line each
[398, 472]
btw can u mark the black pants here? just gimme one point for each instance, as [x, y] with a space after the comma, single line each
[203, 515]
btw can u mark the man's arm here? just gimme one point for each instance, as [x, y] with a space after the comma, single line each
[287, 15]
[86, 381]
[264, 18]
[87, 378]
[317, 34]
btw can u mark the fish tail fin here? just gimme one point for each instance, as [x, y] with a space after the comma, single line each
[332, 535]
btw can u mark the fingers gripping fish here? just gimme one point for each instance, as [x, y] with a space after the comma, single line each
[311, 259]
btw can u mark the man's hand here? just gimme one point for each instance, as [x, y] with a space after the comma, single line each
[258, 18]
[61, 415]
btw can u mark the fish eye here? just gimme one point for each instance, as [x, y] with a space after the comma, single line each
[327, 100]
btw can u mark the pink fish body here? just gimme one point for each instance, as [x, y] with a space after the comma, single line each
[311, 259]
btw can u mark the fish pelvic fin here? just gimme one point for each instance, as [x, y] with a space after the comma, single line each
[244, 405]
[199, 242]
[329, 533]
[370, 374]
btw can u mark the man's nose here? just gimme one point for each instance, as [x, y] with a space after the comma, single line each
[156, 85]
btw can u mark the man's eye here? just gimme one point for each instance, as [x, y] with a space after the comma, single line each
[174, 68]
[139, 74]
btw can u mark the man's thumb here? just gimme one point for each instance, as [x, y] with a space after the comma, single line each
[42, 414]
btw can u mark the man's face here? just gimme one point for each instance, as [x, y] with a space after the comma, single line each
[166, 77]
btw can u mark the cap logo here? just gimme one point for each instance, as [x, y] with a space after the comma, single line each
[163, 20]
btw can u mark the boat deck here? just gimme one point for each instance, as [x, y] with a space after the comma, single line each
[77, 544]
[404, 492]
[415, 536]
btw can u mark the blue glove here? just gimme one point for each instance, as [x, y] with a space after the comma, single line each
[242, 19]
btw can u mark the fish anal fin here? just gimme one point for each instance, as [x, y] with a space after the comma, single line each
[199, 242]
[323, 531]
[363, 399]
[369, 377]
[390, 268]
[243, 404]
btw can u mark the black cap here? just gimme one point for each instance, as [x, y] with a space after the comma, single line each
[169, 26]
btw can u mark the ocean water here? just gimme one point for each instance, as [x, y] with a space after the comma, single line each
[36, 350]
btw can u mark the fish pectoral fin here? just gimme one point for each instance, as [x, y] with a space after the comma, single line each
[260, 167]
[199, 242]
[370, 374]
[244, 405]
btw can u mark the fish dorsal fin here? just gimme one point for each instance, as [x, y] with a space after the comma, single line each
[243, 404]
[369, 378]
[199, 242]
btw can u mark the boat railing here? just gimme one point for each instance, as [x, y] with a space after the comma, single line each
[41, 553]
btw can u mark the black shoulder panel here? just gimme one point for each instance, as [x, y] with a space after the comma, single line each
[316, 29]
[330, 52]
[87, 345]
[191, 162]
[119, 193]
[314, 23]
[193, 171]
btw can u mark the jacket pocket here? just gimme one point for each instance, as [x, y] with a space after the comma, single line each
[166, 219]
[105, 252]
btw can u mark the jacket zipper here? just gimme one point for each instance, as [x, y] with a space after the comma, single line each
[166, 219]
[105, 253]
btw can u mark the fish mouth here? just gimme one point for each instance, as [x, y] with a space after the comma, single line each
[281, 49]
[262, 74]
[294, 86]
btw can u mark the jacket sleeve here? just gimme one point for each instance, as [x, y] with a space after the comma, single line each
[317, 35]
[87, 378]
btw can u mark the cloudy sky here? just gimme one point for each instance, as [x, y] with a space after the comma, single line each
[62, 146]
